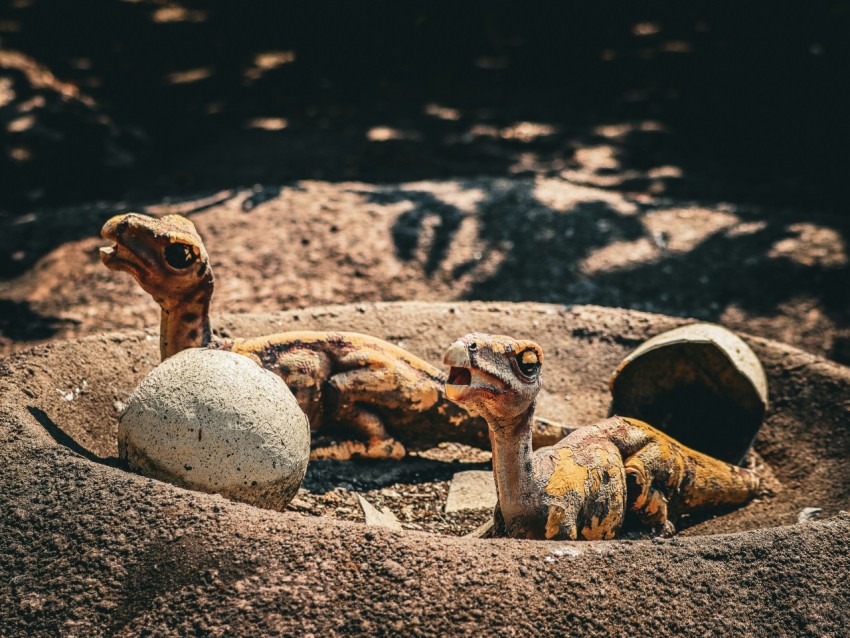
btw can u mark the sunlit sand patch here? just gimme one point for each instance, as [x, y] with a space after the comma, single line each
[598, 158]
[482, 130]
[684, 228]
[612, 131]
[665, 172]
[188, 76]
[442, 112]
[20, 124]
[176, 13]
[564, 197]
[668, 231]
[387, 133]
[642, 29]
[746, 228]
[268, 123]
[35, 102]
[527, 131]
[20, 154]
[620, 254]
[6, 92]
[813, 246]
[267, 61]
[524, 132]
[39, 77]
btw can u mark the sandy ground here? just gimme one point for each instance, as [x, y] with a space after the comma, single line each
[532, 239]
[91, 548]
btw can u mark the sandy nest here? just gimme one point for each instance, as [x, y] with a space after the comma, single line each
[92, 549]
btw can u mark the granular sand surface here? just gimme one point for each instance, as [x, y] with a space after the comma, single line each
[93, 549]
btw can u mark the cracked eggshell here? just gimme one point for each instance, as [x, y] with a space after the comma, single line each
[216, 422]
[701, 384]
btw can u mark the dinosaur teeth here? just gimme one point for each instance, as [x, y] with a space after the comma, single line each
[107, 250]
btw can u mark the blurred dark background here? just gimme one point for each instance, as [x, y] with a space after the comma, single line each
[113, 98]
[736, 107]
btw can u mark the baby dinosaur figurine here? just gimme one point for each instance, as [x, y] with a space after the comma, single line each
[582, 487]
[362, 382]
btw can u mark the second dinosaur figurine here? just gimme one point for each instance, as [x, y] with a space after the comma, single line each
[582, 487]
[390, 399]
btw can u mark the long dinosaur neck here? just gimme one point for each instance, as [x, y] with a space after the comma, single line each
[513, 467]
[185, 323]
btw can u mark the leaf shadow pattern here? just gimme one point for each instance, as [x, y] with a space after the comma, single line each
[542, 251]
[540, 244]
[543, 246]
[407, 229]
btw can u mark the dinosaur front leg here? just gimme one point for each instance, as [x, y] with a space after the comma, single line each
[374, 440]
[371, 382]
[644, 498]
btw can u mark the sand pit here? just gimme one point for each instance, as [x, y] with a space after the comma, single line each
[87, 548]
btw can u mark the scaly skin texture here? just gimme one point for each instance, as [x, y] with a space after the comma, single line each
[389, 398]
[582, 487]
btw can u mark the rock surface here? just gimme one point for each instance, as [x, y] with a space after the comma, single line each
[217, 422]
[471, 490]
[378, 518]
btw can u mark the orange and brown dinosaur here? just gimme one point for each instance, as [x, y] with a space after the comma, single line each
[584, 486]
[390, 399]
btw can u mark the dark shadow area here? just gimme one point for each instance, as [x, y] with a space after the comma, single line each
[143, 99]
[65, 440]
[324, 476]
[19, 322]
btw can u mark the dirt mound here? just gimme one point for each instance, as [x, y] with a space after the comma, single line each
[91, 549]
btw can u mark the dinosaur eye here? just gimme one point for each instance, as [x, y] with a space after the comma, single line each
[528, 363]
[180, 256]
[472, 347]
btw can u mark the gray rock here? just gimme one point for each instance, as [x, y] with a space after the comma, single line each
[471, 490]
[808, 513]
[378, 518]
[217, 422]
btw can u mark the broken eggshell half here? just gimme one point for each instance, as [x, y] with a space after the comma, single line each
[700, 383]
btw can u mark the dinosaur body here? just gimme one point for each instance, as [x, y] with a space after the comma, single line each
[390, 399]
[584, 486]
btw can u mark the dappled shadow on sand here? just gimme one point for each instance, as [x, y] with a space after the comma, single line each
[677, 259]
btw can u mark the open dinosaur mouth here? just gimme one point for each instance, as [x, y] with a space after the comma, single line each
[459, 383]
[459, 376]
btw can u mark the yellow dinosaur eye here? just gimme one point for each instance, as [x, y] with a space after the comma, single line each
[530, 357]
[528, 362]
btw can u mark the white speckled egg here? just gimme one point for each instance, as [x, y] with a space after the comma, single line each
[217, 422]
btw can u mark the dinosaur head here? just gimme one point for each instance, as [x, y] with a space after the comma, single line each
[165, 256]
[495, 376]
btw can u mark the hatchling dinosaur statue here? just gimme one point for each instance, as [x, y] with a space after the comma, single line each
[391, 399]
[582, 487]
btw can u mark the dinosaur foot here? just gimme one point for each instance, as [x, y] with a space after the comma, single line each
[378, 449]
